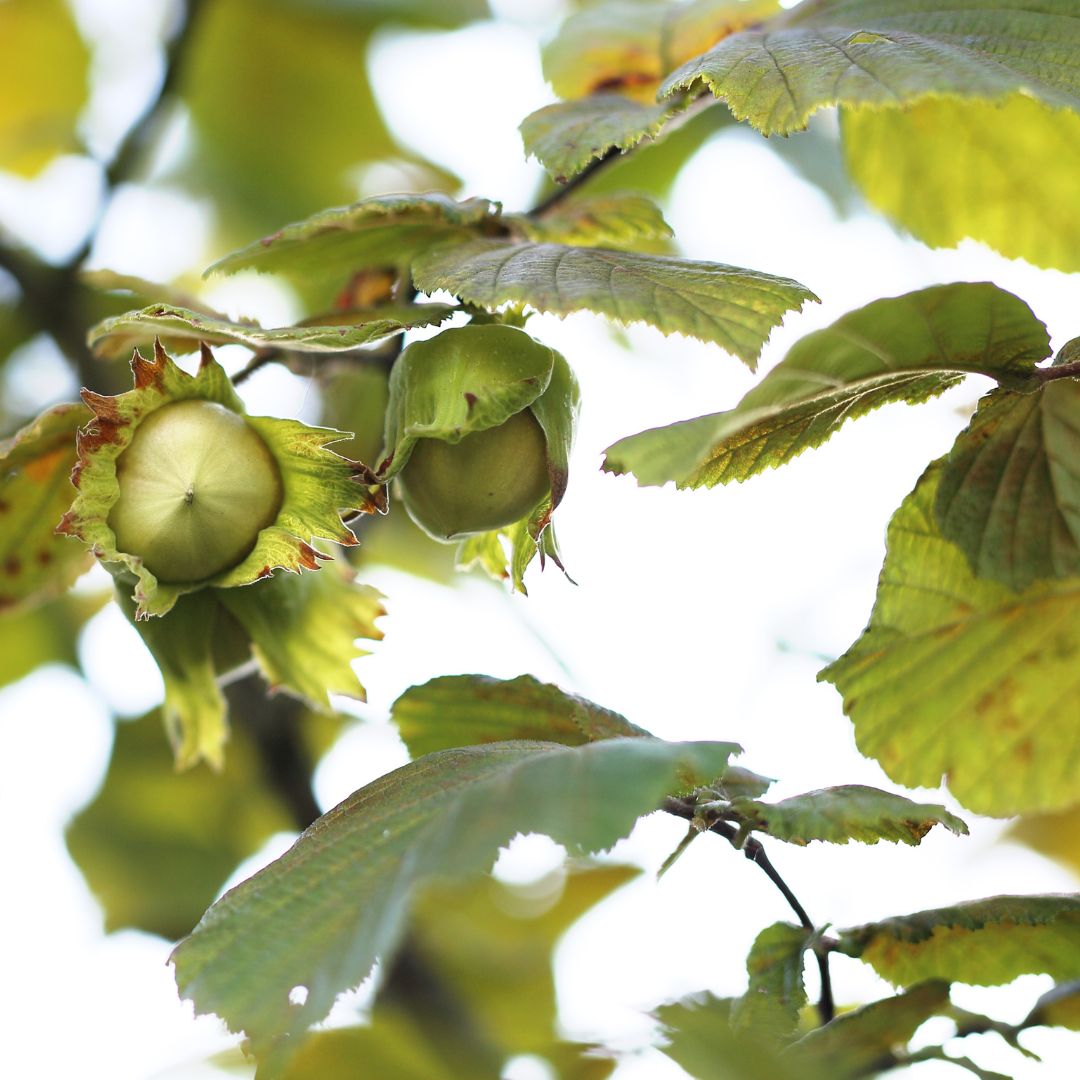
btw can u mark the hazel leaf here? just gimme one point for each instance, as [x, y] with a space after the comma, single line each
[181, 330]
[890, 53]
[850, 812]
[981, 942]
[726, 305]
[303, 632]
[320, 915]
[619, 220]
[960, 678]
[35, 490]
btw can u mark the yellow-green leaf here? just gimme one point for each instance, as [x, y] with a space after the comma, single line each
[35, 490]
[1002, 172]
[620, 220]
[960, 678]
[769, 1009]
[43, 83]
[907, 348]
[464, 710]
[982, 942]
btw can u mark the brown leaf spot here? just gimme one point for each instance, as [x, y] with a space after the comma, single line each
[4, 506]
[12, 565]
[42, 469]
[44, 557]
[265, 572]
[149, 373]
[66, 525]
[470, 399]
[309, 557]
[266, 241]
[206, 357]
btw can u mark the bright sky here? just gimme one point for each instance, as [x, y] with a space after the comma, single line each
[698, 615]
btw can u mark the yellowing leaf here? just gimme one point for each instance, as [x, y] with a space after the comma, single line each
[303, 629]
[620, 220]
[630, 45]
[320, 915]
[1002, 172]
[981, 942]
[770, 1007]
[960, 678]
[850, 812]
[734, 308]
[43, 83]
[464, 710]
[35, 491]
[907, 348]
[890, 53]
[1055, 835]
[1009, 494]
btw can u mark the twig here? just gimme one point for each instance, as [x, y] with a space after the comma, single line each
[1070, 370]
[564, 191]
[753, 850]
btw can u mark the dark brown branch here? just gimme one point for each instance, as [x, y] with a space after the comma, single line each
[753, 850]
[1070, 370]
[564, 191]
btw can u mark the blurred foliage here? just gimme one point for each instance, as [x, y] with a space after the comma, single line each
[156, 845]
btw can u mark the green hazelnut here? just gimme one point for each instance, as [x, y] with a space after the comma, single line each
[197, 485]
[487, 480]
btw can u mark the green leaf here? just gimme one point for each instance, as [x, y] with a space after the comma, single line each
[891, 53]
[45, 634]
[319, 916]
[461, 381]
[156, 845]
[566, 136]
[851, 812]
[947, 169]
[1009, 494]
[464, 710]
[960, 677]
[981, 942]
[770, 1007]
[183, 331]
[303, 630]
[621, 220]
[1059, 1007]
[182, 645]
[734, 308]
[35, 490]
[631, 45]
[907, 348]
[43, 84]
[383, 231]
[259, 149]
[700, 1039]
[856, 1043]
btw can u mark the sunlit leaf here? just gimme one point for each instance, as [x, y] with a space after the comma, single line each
[464, 710]
[734, 308]
[182, 331]
[998, 171]
[320, 915]
[35, 491]
[156, 845]
[631, 45]
[620, 220]
[851, 812]
[1059, 1007]
[890, 53]
[566, 136]
[907, 348]
[1009, 494]
[857, 1042]
[981, 942]
[770, 1007]
[1056, 835]
[303, 629]
[960, 678]
[383, 231]
[43, 83]
[699, 1037]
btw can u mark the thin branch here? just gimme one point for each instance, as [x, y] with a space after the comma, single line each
[564, 191]
[753, 850]
[1070, 370]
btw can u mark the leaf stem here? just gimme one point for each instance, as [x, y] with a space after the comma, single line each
[755, 852]
[1070, 370]
[564, 191]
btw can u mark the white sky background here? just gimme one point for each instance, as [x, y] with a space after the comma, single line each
[700, 615]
